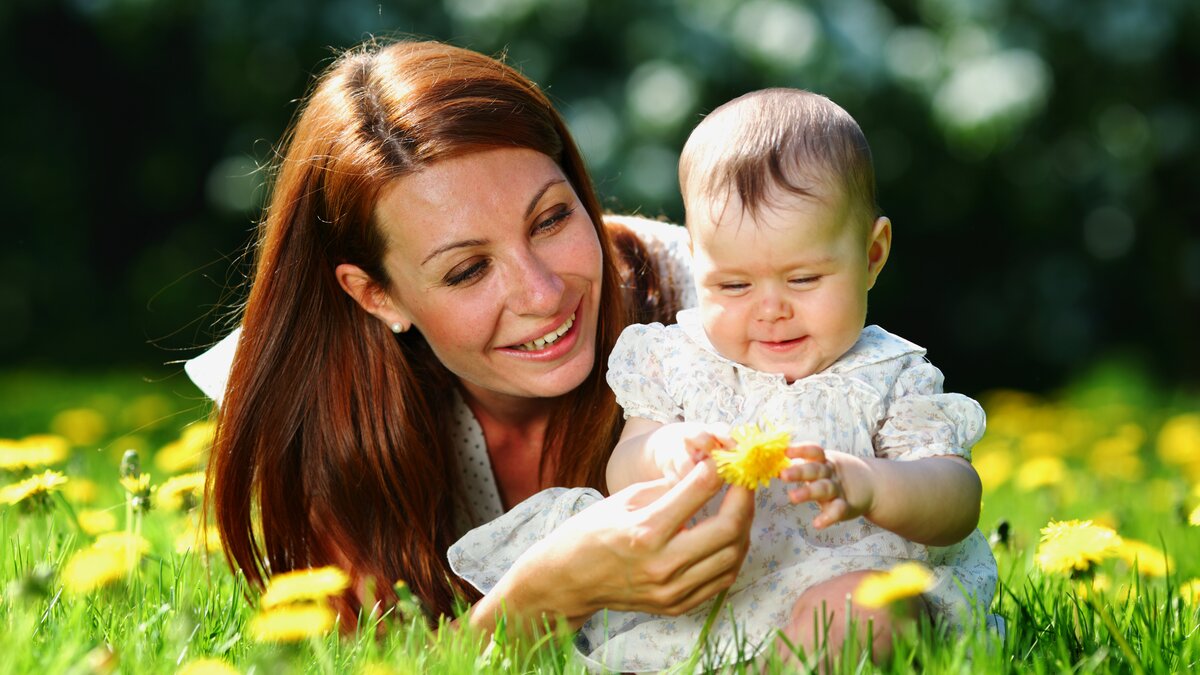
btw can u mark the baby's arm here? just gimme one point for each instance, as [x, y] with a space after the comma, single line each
[650, 450]
[932, 501]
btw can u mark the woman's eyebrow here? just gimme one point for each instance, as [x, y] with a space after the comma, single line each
[538, 196]
[476, 242]
[451, 246]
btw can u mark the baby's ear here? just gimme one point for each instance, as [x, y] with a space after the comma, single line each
[879, 245]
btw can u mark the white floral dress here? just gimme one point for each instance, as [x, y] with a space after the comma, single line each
[881, 399]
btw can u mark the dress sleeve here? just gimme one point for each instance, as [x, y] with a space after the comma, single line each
[923, 421]
[636, 374]
[484, 554]
[667, 245]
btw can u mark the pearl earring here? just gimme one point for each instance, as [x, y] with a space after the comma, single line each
[397, 327]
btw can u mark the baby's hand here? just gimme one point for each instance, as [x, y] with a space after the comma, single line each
[820, 480]
[681, 446]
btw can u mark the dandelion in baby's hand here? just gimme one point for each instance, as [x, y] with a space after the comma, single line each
[316, 583]
[36, 488]
[1074, 546]
[759, 456]
[906, 580]
[292, 623]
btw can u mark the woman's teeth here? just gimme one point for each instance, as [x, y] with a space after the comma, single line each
[548, 338]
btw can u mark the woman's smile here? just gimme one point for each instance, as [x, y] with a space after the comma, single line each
[543, 342]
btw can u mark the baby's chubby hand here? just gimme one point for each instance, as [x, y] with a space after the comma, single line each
[827, 478]
[680, 446]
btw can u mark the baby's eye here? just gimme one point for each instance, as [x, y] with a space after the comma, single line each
[733, 286]
[802, 281]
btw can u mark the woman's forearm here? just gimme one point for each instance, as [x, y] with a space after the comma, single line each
[933, 501]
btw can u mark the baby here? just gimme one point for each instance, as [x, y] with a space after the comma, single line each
[786, 241]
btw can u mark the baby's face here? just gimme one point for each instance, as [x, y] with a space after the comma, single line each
[785, 291]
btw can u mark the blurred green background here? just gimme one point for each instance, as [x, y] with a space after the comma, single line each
[1040, 159]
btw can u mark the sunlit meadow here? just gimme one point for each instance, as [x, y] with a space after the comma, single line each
[1090, 499]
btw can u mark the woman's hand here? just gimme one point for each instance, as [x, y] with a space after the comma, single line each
[631, 552]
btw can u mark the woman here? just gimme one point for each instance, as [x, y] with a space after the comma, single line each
[434, 301]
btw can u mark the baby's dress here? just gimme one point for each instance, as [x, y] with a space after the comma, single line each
[881, 399]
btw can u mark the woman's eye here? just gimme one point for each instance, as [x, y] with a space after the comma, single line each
[733, 287]
[553, 222]
[465, 273]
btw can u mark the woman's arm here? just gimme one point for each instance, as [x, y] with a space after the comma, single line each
[933, 501]
[628, 552]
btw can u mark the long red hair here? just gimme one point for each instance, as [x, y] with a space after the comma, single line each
[332, 442]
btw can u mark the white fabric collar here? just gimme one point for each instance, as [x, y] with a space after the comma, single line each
[874, 345]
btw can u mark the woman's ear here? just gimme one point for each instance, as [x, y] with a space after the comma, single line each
[371, 297]
[879, 245]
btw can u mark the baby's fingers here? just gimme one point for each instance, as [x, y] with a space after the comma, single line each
[805, 471]
[806, 451]
[822, 490]
[832, 511]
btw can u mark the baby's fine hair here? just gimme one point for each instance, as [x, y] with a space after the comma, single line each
[770, 139]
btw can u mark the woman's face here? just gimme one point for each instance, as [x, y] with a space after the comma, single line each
[494, 260]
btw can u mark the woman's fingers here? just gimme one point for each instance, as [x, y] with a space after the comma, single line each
[671, 511]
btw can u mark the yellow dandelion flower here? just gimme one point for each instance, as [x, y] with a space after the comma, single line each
[290, 624]
[32, 451]
[301, 585]
[94, 567]
[180, 492]
[1075, 545]
[758, 457]
[194, 540]
[81, 491]
[81, 426]
[1150, 560]
[1117, 456]
[1179, 439]
[123, 542]
[905, 580]
[136, 485]
[207, 666]
[993, 462]
[1194, 517]
[1044, 444]
[1190, 590]
[43, 483]
[96, 522]
[1040, 472]
[188, 451]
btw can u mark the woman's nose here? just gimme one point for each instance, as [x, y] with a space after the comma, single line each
[537, 289]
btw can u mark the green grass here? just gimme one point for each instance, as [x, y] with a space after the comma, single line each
[1105, 437]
